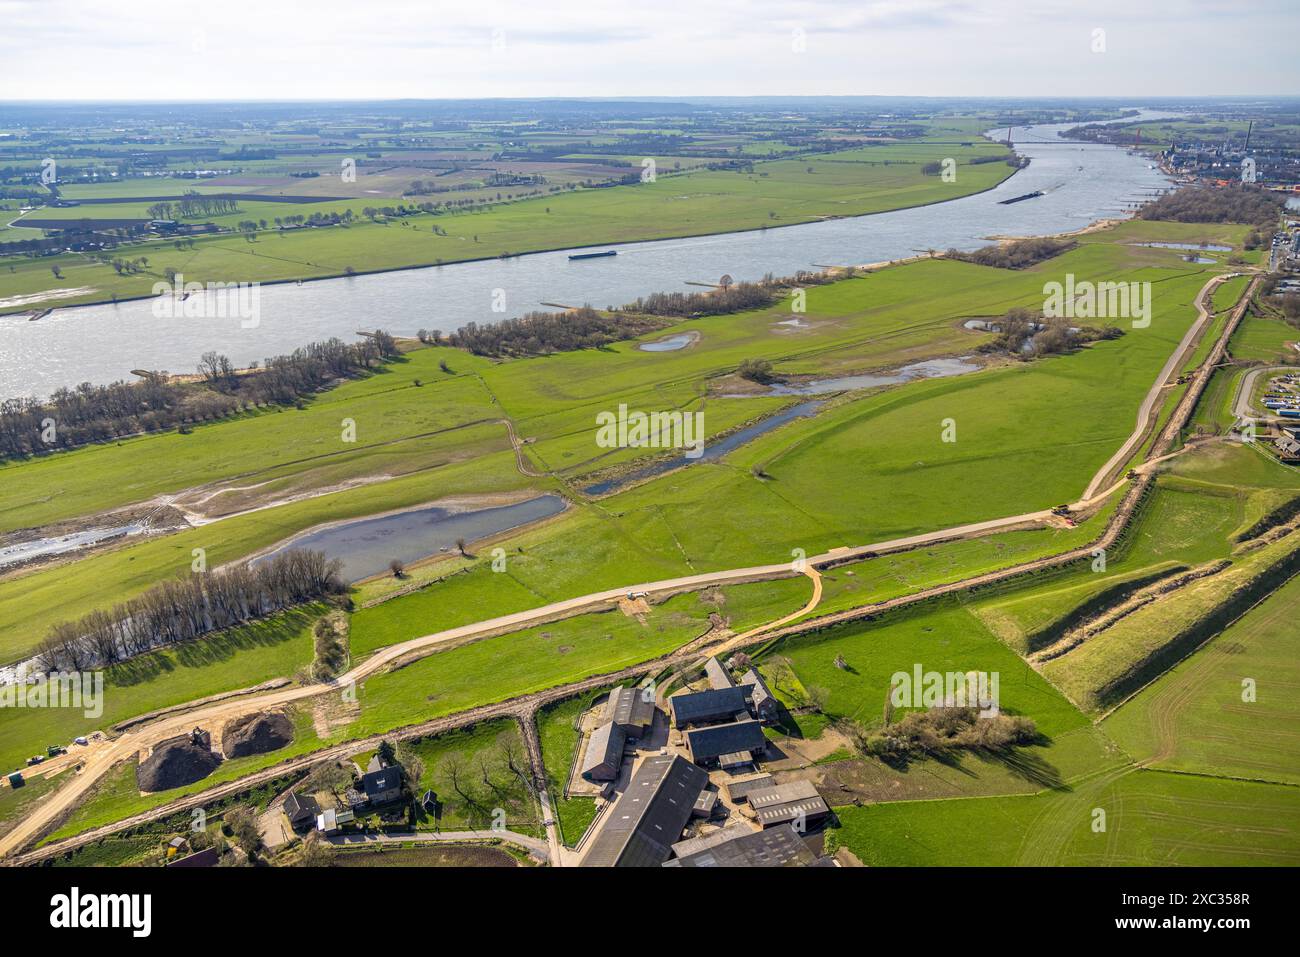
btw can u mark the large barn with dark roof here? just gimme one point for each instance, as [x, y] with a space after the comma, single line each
[739, 845]
[707, 745]
[702, 707]
[641, 827]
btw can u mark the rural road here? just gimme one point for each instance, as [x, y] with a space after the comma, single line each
[101, 755]
[1151, 404]
[534, 846]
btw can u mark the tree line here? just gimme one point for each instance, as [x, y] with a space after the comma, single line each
[186, 608]
[192, 205]
[539, 333]
[1016, 255]
[97, 413]
[725, 297]
[1207, 204]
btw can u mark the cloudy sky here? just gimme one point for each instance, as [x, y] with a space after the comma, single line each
[330, 49]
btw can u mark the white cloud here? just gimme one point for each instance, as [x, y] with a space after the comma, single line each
[262, 49]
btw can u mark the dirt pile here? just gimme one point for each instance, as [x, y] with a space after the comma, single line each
[177, 762]
[256, 734]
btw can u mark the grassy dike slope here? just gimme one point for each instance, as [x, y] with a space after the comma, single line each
[1199, 716]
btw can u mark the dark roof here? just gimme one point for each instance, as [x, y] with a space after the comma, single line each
[629, 707]
[740, 790]
[698, 706]
[762, 697]
[706, 743]
[718, 676]
[385, 779]
[604, 748]
[301, 807]
[207, 857]
[647, 819]
[738, 846]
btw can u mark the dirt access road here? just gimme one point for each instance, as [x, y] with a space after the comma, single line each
[1151, 404]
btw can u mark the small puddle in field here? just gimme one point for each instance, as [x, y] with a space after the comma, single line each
[1209, 247]
[61, 544]
[670, 343]
[367, 545]
[929, 369]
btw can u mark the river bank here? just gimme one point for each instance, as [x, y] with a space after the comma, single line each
[1083, 183]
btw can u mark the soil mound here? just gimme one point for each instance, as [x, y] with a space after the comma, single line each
[177, 762]
[256, 734]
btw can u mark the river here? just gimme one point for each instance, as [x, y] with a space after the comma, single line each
[1082, 182]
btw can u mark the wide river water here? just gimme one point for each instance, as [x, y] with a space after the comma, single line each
[1082, 183]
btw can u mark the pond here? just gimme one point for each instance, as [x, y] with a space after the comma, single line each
[366, 546]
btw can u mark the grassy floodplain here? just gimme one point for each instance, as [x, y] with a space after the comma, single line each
[867, 467]
[856, 449]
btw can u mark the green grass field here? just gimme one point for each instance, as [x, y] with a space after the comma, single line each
[1231, 708]
[469, 772]
[278, 647]
[557, 730]
[778, 192]
[1153, 818]
[870, 466]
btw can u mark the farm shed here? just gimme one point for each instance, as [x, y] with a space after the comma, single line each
[788, 803]
[739, 791]
[642, 825]
[604, 755]
[761, 700]
[717, 675]
[706, 745]
[705, 804]
[631, 709]
[739, 845]
[702, 707]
